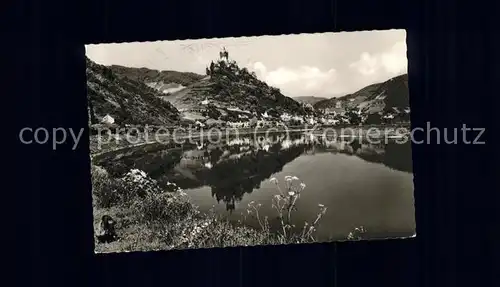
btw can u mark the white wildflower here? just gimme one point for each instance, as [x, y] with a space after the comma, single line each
[274, 180]
[321, 205]
[291, 193]
[302, 185]
[288, 178]
[295, 178]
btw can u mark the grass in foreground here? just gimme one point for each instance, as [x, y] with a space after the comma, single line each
[152, 218]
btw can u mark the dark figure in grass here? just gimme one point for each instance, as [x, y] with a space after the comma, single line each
[107, 231]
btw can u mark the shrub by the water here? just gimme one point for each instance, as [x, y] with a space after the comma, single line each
[150, 217]
[104, 188]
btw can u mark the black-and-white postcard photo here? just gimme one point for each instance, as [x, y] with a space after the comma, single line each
[247, 141]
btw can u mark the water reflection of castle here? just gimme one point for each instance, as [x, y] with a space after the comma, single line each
[238, 166]
[232, 177]
[241, 165]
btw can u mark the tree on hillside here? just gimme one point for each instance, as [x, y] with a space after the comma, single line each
[211, 112]
[273, 113]
[108, 74]
[308, 108]
[353, 116]
[212, 66]
[233, 66]
[222, 65]
[405, 117]
[275, 90]
[92, 117]
[373, 119]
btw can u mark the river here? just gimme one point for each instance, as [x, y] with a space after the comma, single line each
[361, 184]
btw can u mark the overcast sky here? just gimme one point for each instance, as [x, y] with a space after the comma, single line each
[326, 64]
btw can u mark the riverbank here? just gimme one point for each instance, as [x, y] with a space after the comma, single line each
[152, 218]
[114, 142]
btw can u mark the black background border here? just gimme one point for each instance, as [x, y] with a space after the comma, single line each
[451, 58]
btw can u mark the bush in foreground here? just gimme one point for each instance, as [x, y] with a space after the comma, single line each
[153, 218]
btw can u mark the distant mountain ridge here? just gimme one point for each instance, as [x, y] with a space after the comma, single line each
[127, 101]
[375, 98]
[164, 81]
[151, 75]
[309, 99]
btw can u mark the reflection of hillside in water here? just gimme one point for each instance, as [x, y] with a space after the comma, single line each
[238, 166]
[235, 167]
[393, 155]
[231, 178]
